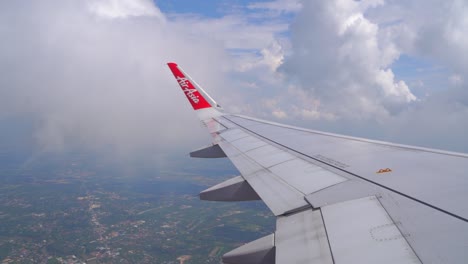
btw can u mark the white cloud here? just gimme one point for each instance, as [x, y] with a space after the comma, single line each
[273, 55]
[124, 8]
[280, 114]
[234, 31]
[439, 31]
[337, 54]
[398, 90]
[101, 83]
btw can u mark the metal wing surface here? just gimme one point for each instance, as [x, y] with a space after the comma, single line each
[337, 199]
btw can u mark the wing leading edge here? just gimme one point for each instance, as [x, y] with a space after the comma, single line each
[337, 199]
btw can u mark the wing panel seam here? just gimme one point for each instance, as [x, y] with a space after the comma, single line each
[395, 223]
[326, 233]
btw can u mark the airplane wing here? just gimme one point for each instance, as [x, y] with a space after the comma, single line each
[337, 199]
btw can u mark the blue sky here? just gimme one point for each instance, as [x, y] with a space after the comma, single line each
[208, 8]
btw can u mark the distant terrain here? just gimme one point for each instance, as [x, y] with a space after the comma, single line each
[73, 208]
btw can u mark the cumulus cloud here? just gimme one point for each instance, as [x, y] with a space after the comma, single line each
[337, 55]
[340, 70]
[124, 8]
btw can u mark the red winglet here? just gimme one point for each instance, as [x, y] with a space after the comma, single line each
[193, 95]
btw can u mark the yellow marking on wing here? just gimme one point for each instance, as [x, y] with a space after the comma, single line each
[384, 170]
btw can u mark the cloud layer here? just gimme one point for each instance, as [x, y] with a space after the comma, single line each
[92, 73]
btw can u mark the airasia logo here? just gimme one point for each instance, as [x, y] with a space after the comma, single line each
[189, 92]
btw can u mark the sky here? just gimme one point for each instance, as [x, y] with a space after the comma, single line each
[92, 73]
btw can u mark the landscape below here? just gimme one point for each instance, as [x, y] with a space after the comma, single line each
[75, 208]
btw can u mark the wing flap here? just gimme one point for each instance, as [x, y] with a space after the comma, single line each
[277, 195]
[301, 238]
[356, 231]
[361, 231]
[306, 177]
[208, 152]
[345, 191]
[268, 156]
[277, 176]
[260, 251]
[232, 190]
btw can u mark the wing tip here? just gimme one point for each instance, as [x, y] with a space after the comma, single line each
[195, 96]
